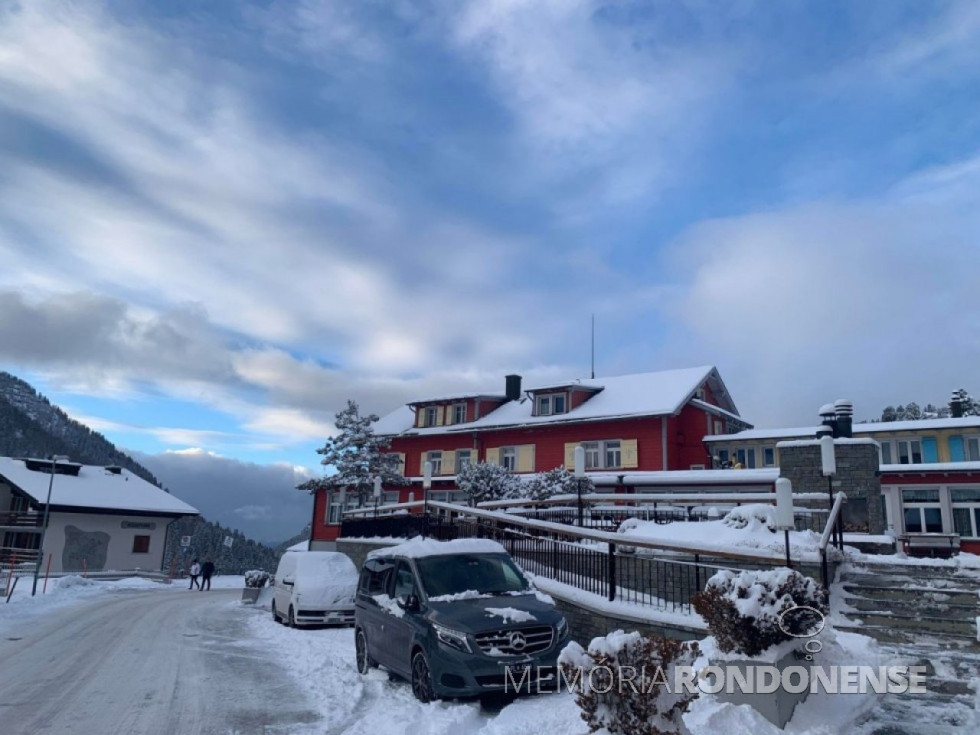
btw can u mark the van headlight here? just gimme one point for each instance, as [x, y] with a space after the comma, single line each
[452, 638]
[561, 630]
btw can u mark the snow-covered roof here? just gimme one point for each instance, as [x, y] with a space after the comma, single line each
[965, 467]
[661, 393]
[876, 427]
[93, 487]
[419, 547]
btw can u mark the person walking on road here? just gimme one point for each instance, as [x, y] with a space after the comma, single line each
[206, 571]
[195, 572]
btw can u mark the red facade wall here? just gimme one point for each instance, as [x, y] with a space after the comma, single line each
[687, 430]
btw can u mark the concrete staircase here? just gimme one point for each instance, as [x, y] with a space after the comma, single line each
[921, 615]
[898, 603]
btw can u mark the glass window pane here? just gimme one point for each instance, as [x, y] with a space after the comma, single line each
[934, 520]
[962, 521]
[886, 453]
[920, 494]
[916, 452]
[559, 402]
[769, 456]
[973, 449]
[903, 452]
[913, 520]
[750, 458]
[964, 494]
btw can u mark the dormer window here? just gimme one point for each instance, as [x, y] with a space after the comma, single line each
[459, 413]
[429, 416]
[551, 404]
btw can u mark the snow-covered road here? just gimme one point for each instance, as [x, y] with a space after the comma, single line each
[161, 661]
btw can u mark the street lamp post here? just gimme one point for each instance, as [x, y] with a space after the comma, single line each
[580, 479]
[44, 526]
[784, 511]
[828, 462]
[377, 494]
[426, 486]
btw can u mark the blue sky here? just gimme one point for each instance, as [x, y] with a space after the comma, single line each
[219, 221]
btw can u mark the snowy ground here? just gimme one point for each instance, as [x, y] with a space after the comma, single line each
[133, 656]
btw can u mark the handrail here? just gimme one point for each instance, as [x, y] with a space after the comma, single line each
[832, 520]
[649, 498]
[839, 501]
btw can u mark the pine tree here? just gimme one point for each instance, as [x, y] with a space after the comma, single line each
[484, 481]
[357, 455]
[558, 481]
[913, 412]
[888, 414]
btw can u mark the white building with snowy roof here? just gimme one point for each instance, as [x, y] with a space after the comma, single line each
[100, 518]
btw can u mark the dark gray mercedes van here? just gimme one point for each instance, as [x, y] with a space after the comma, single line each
[457, 619]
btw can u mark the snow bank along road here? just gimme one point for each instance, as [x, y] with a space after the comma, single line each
[161, 661]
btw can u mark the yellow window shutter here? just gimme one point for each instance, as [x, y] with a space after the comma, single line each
[448, 463]
[421, 464]
[449, 415]
[401, 463]
[525, 458]
[630, 457]
[493, 456]
[570, 456]
[438, 415]
[419, 416]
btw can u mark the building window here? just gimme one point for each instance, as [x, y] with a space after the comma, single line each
[909, 451]
[551, 404]
[966, 511]
[429, 417]
[886, 452]
[141, 544]
[459, 413]
[613, 454]
[746, 458]
[718, 428]
[436, 459]
[973, 449]
[508, 458]
[768, 456]
[592, 455]
[464, 458]
[922, 511]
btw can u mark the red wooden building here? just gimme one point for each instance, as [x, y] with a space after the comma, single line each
[630, 424]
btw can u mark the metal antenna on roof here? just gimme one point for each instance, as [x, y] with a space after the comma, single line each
[593, 346]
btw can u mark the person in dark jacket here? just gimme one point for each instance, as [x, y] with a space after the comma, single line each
[207, 569]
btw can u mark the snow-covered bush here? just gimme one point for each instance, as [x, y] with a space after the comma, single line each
[256, 578]
[751, 517]
[625, 683]
[486, 481]
[558, 481]
[743, 609]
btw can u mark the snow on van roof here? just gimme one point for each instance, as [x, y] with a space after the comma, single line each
[419, 547]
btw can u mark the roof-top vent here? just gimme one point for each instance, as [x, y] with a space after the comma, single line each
[844, 410]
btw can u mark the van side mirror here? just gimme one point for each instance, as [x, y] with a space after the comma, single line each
[412, 604]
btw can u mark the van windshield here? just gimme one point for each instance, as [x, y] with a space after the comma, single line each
[488, 574]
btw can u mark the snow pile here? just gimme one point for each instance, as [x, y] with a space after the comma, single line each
[625, 682]
[752, 518]
[389, 605]
[419, 547]
[256, 578]
[464, 595]
[742, 532]
[510, 614]
[750, 611]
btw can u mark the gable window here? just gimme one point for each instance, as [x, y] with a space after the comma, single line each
[551, 404]
[459, 413]
[508, 458]
[436, 459]
[429, 417]
[141, 544]
[464, 458]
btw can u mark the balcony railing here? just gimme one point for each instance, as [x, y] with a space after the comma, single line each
[21, 521]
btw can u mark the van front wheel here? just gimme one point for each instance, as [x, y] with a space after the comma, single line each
[364, 662]
[275, 615]
[422, 679]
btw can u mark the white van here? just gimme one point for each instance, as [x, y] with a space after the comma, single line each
[314, 588]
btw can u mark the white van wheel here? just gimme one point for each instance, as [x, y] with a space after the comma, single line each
[364, 661]
[292, 618]
[275, 615]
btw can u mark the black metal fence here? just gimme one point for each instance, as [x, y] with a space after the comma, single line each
[616, 572]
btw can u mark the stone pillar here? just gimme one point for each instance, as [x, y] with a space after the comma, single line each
[857, 475]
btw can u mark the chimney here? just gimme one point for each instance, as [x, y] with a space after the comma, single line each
[956, 405]
[844, 411]
[513, 387]
[828, 418]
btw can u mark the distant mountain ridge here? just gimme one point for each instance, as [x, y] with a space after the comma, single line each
[31, 426]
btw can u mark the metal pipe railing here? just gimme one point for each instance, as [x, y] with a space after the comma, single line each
[832, 521]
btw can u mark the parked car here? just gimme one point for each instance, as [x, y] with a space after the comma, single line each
[457, 619]
[314, 588]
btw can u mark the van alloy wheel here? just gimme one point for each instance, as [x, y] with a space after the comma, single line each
[422, 679]
[364, 662]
